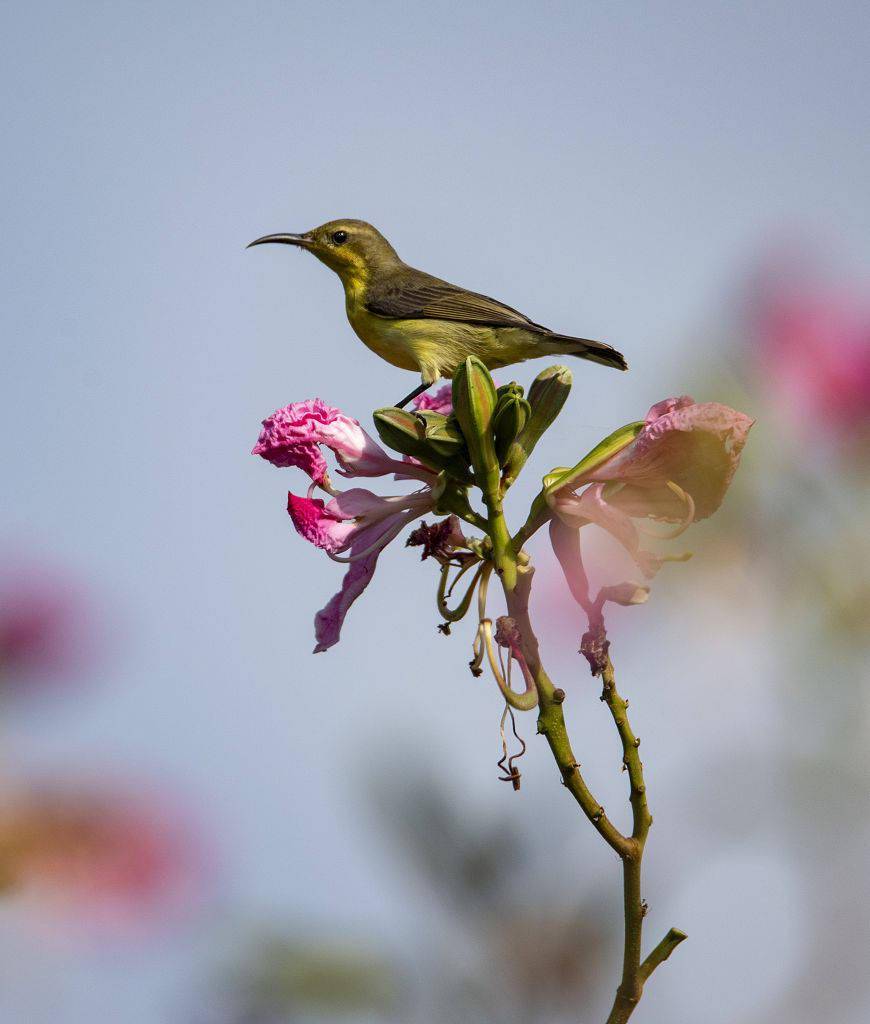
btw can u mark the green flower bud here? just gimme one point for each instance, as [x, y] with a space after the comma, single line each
[443, 434]
[511, 415]
[400, 430]
[547, 395]
[405, 432]
[474, 402]
[509, 389]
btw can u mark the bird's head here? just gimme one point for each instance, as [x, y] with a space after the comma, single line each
[352, 248]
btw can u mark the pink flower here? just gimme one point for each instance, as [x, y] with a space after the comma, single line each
[293, 436]
[106, 858]
[675, 468]
[361, 523]
[814, 348]
[46, 632]
[441, 401]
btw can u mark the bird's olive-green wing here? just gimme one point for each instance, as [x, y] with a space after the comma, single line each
[418, 296]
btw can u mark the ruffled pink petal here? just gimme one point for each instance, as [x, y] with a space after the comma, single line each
[329, 620]
[441, 401]
[291, 436]
[696, 446]
[666, 406]
[317, 524]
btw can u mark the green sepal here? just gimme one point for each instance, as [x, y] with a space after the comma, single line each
[561, 477]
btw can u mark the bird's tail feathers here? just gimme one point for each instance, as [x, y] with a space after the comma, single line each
[585, 348]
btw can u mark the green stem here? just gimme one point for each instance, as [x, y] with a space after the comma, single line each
[662, 951]
[551, 723]
[503, 552]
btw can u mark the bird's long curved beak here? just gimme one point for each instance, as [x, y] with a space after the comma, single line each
[285, 239]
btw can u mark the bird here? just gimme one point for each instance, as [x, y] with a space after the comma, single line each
[419, 322]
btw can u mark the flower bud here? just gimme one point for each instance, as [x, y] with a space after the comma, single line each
[405, 432]
[511, 415]
[443, 433]
[547, 395]
[509, 389]
[474, 402]
[400, 430]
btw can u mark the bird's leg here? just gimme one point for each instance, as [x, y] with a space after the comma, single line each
[417, 391]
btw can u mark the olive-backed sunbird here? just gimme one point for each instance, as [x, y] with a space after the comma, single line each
[419, 322]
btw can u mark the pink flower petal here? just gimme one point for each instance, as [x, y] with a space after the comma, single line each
[610, 518]
[358, 501]
[695, 446]
[317, 524]
[441, 401]
[566, 544]
[291, 436]
[329, 620]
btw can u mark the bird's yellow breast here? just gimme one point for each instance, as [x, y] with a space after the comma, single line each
[433, 347]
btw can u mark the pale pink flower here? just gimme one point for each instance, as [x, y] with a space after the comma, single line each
[360, 523]
[293, 436]
[813, 343]
[103, 858]
[441, 401]
[676, 469]
[46, 629]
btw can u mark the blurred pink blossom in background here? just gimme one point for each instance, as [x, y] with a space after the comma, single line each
[812, 340]
[106, 859]
[47, 633]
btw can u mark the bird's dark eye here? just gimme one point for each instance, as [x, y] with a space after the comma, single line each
[339, 237]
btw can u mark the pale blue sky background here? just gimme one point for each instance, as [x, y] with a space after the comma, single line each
[611, 169]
